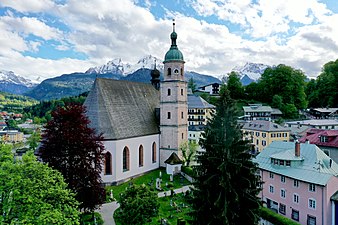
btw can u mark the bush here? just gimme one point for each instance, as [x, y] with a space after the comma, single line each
[275, 218]
[187, 170]
[87, 218]
[170, 185]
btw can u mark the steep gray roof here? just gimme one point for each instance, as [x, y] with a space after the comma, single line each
[197, 102]
[122, 109]
[313, 165]
[264, 125]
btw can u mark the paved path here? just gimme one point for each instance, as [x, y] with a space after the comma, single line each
[107, 210]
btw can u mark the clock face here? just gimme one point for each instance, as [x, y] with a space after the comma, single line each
[176, 71]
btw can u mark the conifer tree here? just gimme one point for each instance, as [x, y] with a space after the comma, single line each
[226, 186]
[72, 147]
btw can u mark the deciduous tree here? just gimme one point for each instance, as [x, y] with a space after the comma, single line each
[33, 193]
[138, 204]
[226, 186]
[72, 147]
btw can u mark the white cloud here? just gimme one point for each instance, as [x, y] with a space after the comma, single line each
[29, 5]
[28, 25]
[126, 31]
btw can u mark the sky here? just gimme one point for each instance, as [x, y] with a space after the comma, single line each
[47, 38]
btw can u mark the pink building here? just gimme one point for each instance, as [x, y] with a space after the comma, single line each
[300, 182]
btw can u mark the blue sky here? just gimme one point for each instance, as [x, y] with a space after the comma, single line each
[46, 38]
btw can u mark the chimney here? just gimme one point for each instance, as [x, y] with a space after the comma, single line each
[297, 149]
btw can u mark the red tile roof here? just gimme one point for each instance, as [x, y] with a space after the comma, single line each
[313, 136]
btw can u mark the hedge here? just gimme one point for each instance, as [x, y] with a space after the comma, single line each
[275, 218]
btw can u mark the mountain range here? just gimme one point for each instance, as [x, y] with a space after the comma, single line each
[77, 83]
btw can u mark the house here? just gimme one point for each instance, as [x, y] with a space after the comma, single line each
[326, 140]
[262, 132]
[324, 113]
[11, 136]
[257, 112]
[299, 182]
[327, 124]
[212, 89]
[195, 133]
[142, 124]
[199, 110]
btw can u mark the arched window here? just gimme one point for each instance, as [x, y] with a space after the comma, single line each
[140, 156]
[169, 91]
[126, 159]
[176, 71]
[107, 164]
[169, 71]
[181, 71]
[154, 153]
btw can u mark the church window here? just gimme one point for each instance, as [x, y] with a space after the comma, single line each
[140, 156]
[107, 164]
[182, 135]
[181, 71]
[182, 115]
[126, 159]
[169, 115]
[169, 71]
[153, 155]
[169, 92]
[181, 91]
[176, 71]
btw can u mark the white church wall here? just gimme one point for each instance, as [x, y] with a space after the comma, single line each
[133, 144]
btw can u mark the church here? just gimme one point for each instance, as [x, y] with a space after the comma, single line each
[142, 124]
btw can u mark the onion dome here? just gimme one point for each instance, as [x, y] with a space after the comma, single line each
[174, 54]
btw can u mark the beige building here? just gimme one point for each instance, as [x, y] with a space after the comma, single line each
[10, 136]
[199, 110]
[262, 132]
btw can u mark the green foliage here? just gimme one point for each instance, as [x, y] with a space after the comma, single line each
[33, 193]
[326, 93]
[188, 170]
[277, 102]
[290, 111]
[15, 103]
[34, 140]
[275, 218]
[219, 196]
[188, 151]
[286, 82]
[138, 204]
[235, 86]
[192, 85]
[88, 218]
[41, 112]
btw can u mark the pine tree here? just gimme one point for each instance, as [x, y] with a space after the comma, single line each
[226, 186]
[72, 147]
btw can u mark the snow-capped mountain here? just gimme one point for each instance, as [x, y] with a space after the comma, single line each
[12, 83]
[10, 77]
[253, 71]
[116, 66]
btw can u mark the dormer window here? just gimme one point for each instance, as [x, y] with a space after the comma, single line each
[324, 138]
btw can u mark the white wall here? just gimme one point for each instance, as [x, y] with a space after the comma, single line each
[133, 144]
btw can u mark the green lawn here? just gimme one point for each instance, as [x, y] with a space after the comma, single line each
[149, 179]
[179, 208]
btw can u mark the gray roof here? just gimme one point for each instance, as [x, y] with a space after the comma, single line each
[276, 111]
[122, 109]
[326, 110]
[314, 122]
[313, 165]
[264, 125]
[197, 102]
[257, 108]
[173, 159]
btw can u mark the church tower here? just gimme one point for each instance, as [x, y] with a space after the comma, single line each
[173, 103]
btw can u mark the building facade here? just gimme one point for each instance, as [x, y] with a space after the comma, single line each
[199, 110]
[262, 132]
[299, 182]
[173, 103]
